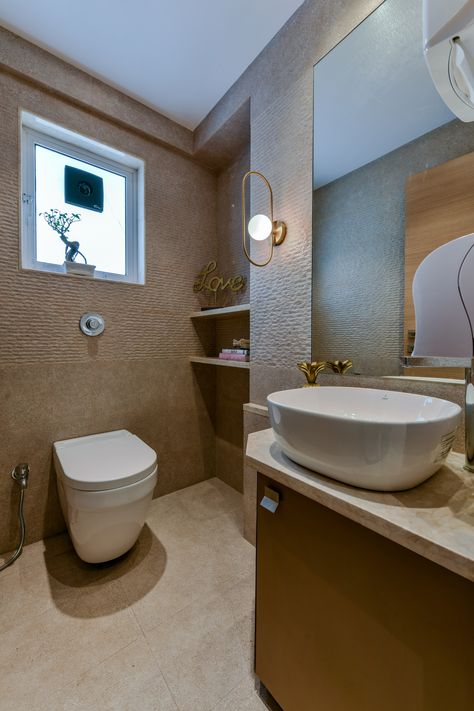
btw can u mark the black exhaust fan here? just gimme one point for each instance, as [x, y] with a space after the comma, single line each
[83, 189]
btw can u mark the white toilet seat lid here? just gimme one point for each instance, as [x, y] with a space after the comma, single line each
[104, 461]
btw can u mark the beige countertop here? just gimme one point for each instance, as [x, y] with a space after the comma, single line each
[435, 520]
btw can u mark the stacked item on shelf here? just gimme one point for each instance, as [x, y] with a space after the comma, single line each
[240, 351]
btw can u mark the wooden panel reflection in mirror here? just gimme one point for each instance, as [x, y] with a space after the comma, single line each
[439, 208]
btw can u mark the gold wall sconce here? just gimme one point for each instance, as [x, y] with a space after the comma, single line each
[261, 227]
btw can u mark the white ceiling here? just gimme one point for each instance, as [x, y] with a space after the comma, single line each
[178, 56]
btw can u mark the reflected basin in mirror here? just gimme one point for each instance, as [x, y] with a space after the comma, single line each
[374, 439]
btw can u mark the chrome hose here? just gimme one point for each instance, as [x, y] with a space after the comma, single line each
[19, 474]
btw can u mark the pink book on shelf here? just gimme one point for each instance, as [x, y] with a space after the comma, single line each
[234, 356]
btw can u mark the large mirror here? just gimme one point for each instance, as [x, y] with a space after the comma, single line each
[393, 179]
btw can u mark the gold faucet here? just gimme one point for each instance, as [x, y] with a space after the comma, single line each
[312, 370]
[340, 366]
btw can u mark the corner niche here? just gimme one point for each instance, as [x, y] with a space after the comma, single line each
[227, 150]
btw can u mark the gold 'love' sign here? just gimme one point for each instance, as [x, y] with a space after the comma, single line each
[216, 283]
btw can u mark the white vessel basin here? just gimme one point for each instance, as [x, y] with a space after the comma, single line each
[375, 439]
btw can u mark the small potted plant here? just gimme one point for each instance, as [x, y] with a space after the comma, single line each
[61, 223]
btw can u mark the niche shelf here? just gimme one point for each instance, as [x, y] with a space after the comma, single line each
[241, 311]
[224, 312]
[219, 361]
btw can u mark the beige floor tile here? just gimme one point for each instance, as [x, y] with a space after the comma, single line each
[243, 697]
[180, 514]
[171, 521]
[190, 558]
[8, 571]
[24, 593]
[32, 587]
[224, 537]
[204, 651]
[155, 697]
[208, 499]
[68, 575]
[192, 571]
[129, 680]
[49, 547]
[71, 633]
[46, 578]
[35, 552]
[54, 648]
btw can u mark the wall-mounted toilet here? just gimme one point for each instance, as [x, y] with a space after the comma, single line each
[105, 484]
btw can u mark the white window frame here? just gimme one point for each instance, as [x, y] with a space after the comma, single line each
[37, 131]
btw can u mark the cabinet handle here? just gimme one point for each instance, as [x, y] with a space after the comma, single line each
[271, 500]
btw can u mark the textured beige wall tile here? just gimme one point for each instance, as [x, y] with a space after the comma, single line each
[266, 379]
[281, 147]
[41, 311]
[162, 400]
[279, 84]
[55, 383]
[281, 292]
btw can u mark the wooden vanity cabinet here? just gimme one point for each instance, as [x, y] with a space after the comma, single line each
[347, 620]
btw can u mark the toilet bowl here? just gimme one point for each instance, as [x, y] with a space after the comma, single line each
[105, 483]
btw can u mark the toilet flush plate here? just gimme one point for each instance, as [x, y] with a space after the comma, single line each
[92, 324]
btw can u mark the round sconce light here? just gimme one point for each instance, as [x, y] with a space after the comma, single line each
[261, 227]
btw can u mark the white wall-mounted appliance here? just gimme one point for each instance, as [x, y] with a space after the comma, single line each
[443, 296]
[448, 42]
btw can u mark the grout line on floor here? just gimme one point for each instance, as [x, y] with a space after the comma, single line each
[152, 654]
[76, 682]
[217, 705]
[135, 616]
[223, 587]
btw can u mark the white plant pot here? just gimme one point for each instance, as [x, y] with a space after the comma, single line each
[80, 269]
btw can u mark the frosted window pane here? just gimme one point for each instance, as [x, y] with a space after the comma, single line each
[101, 234]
